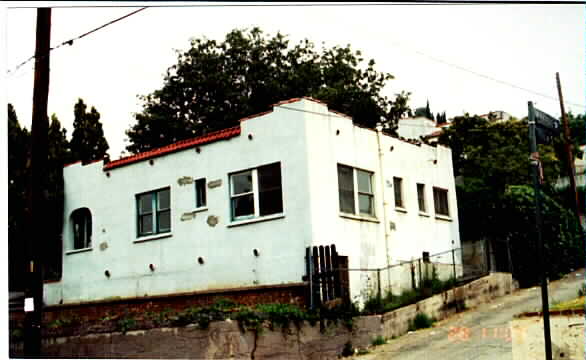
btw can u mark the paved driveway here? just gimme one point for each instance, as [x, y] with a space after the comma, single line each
[481, 334]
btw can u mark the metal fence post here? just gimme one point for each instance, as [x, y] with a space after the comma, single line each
[454, 263]
[378, 283]
[310, 275]
[412, 267]
[419, 265]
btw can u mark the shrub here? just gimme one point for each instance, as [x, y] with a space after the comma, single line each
[126, 324]
[421, 321]
[379, 340]
[281, 314]
[348, 349]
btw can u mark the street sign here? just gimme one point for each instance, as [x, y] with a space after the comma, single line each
[546, 127]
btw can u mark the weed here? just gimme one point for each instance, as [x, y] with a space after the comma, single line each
[17, 335]
[281, 314]
[348, 349]
[126, 324]
[421, 321]
[62, 322]
[248, 320]
[379, 340]
[430, 286]
[345, 312]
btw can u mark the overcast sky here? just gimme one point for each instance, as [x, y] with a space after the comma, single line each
[523, 45]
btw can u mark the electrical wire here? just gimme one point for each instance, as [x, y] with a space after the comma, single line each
[413, 2]
[333, 4]
[502, 82]
[70, 41]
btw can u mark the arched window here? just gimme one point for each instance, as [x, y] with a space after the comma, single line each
[81, 220]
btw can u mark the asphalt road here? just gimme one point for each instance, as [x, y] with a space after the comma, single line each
[481, 333]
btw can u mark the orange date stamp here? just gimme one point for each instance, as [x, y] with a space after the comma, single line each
[458, 334]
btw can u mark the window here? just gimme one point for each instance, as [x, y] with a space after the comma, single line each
[349, 195]
[440, 201]
[200, 193]
[154, 212]
[398, 186]
[81, 220]
[421, 197]
[256, 192]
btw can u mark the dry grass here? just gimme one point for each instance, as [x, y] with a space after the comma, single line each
[575, 304]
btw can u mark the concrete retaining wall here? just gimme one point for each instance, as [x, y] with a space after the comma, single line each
[225, 340]
[567, 336]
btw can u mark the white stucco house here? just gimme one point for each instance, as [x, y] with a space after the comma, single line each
[238, 207]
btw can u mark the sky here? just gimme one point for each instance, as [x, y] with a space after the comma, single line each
[460, 58]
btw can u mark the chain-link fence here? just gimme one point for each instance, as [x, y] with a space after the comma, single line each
[428, 273]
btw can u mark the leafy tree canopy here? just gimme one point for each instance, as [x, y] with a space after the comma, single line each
[87, 142]
[561, 233]
[424, 111]
[214, 84]
[496, 197]
[495, 154]
[19, 145]
[577, 125]
[18, 172]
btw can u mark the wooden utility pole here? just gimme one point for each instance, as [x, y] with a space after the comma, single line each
[568, 148]
[36, 202]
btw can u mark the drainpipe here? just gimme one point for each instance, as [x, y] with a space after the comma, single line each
[379, 129]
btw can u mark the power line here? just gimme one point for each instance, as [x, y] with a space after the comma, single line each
[408, 2]
[70, 41]
[502, 82]
[388, 3]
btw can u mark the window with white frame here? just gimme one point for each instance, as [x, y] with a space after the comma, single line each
[154, 212]
[200, 193]
[359, 199]
[421, 198]
[398, 187]
[256, 192]
[440, 201]
[81, 220]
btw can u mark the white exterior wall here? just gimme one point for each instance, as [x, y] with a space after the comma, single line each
[303, 137]
[364, 240]
[227, 251]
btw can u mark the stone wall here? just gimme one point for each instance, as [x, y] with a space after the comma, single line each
[567, 335]
[225, 340]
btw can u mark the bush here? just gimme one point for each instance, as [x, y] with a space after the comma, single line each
[348, 349]
[421, 321]
[379, 340]
[281, 314]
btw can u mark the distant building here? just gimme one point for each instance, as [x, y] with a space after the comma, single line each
[414, 128]
[497, 116]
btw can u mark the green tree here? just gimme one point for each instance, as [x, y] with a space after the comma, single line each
[495, 153]
[19, 143]
[562, 235]
[18, 172]
[87, 142]
[440, 118]
[495, 196]
[214, 84]
[424, 112]
[58, 155]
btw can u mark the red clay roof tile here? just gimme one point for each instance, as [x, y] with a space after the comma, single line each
[205, 139]
[180, 145]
